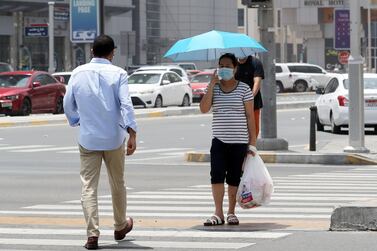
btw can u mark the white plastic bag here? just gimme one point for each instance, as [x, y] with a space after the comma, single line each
[256, 186]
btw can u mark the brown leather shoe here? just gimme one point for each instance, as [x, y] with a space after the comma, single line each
[92, 243]
[119, 235]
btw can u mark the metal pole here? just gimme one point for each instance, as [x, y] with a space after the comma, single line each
[51, 34]
[356, 85]
[246, 20]
[312, 134]
[269, 140]
[101, 16]
[369, 40]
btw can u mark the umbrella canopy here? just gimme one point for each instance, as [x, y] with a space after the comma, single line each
[211, 45]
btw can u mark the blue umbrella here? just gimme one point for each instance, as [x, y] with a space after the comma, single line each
[211, 45]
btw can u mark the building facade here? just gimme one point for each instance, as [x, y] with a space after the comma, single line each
[305, 31]
[142, 29]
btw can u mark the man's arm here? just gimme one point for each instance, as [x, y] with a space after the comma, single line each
[128, 115]
[70, 106]
[258, 75]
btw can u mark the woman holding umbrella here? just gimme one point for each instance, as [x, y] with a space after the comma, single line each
[233, 131]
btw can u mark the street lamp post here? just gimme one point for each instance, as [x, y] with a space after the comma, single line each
[356, 85]
[51, 49]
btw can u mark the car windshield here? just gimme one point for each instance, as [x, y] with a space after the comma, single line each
[13, 80]
[4, 68]
[369, 83]
[147, 78]
[187, 66]
[202, 78]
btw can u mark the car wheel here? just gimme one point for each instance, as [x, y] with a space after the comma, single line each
[300, 86]
[279, 87]
[334, 128]
[26, 107]
[320, 127]
[186, 101]
[59, 106]
[158, 102]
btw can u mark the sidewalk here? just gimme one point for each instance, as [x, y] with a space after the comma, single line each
[330, 152]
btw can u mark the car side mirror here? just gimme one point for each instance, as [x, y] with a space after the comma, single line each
[36, 84]
[165, 82]
[320, 91]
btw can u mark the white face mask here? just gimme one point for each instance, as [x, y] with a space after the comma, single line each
[225, 73]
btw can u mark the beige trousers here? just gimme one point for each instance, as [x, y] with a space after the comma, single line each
[91, 162]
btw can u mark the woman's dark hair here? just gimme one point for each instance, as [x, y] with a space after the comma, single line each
[231, 57]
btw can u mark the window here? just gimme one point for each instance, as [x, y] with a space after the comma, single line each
[313, 69]
[202, 78]
[297, 68]
[304, 69]
[278, 69]
[166, 77]
[144, 79]
[332, 86]
[241, 17]
[179, 72]
[174, 78]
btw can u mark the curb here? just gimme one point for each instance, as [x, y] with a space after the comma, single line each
[355, 216]
[297, 158]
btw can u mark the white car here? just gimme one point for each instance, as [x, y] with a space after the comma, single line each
[174, 68]
[299, 76]
[332, 104]
[159, 88]
[62, 77]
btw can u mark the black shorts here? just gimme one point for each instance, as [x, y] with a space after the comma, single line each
[226, 162]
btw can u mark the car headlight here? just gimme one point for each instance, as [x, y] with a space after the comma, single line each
[10, 97]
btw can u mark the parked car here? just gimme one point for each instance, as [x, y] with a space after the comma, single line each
[174, 68]
[159, 88]
[132, 68]
[192, 73]
[25, 92]
[187, 66]
[199, 83]
[4, 67]
[332, 104]
[62, 77]
[299, 77]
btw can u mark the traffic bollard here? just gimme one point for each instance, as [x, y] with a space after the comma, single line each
[313, 120]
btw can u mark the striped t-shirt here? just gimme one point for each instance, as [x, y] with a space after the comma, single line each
[229, 122]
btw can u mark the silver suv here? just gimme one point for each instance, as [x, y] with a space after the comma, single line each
[299, 76]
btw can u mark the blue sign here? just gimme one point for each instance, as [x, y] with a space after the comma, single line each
[84, 20]
[36, 31]
[342, 30]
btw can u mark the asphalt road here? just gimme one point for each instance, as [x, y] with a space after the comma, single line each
[169, 198]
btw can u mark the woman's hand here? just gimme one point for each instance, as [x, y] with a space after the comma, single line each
[252, 150]
[214, 80]
[206, 102]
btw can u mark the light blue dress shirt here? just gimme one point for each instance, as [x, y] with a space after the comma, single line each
[97, 100]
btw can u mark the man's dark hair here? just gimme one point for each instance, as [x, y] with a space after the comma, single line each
[103, 45]
[231, 57]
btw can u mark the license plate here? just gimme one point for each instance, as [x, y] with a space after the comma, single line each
[6, 105]
[371, 103]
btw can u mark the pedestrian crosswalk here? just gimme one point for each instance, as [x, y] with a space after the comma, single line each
[162, 152]
[305, 197]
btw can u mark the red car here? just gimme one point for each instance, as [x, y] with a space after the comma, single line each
[25, 92]
[199, 84]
